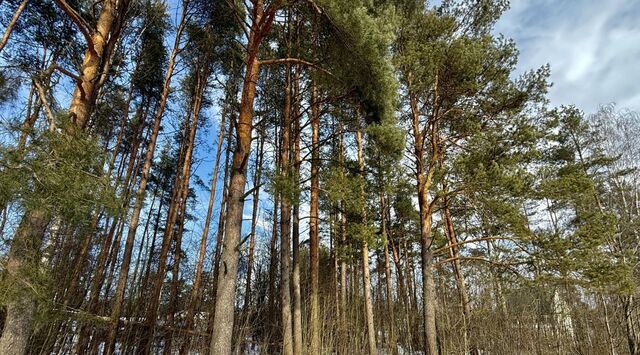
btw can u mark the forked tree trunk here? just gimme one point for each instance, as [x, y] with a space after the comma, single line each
[221, 339]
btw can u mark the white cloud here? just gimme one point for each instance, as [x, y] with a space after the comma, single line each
[593, 48]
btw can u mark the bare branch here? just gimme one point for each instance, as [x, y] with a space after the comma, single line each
[78, 20]
[296, 61]
[45, 103]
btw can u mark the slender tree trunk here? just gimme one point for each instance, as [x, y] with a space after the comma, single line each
[454, 253]
[182, 186]
[285, 224]
[387, 273]
[222, 217]
[314, 240]
[12, 23]
[273, 264]
[273, 250]
[366, 276]
[177, 235]
[140, 194]
[343, 258]
[630, 326]
[257, 178]
[295, 278]
[195, 290]
[423, 182]
[610, 338]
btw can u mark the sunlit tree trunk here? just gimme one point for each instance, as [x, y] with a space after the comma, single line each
[285, 224]
[221, 339]
[12, 24]
[424, 175]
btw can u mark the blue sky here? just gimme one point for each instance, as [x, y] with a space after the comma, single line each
[593, 47]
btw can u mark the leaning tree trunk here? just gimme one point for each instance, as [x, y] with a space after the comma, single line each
[12, 24]
[194, 297]
[140, 194]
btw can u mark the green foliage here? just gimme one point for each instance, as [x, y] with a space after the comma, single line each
[212, 32]
[285, 184]
[9, 86]
[148, 77]
[360, 34]
[342, 186]
[364, 232]
[386, 140]
[579, 248]
[582, 257]
[31, 281]
[61, 174]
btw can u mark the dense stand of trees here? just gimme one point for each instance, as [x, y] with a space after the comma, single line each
[304, 177]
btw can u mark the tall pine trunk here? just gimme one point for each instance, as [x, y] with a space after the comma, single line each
[314, 240]
[194, 297]
[140, 194]
[424, 177]
[285, 223]
[221, 339]
[366, 275]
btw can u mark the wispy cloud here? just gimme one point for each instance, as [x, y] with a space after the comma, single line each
[593, 48]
